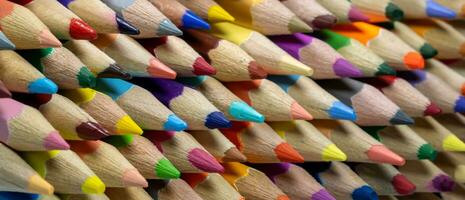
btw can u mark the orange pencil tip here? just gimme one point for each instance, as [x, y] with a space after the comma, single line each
[286, 153]
[414, 60]
[283, 197]
[298, 112]
[160, 70]
[381, 154]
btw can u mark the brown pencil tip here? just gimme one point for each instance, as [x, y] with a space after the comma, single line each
[132, 177]
[286, 153]
[256, 71]
[91, 131]
[298, 112]
[47, 39]
[324, 21]
[234, 155]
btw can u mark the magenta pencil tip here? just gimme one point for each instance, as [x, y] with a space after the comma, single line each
[204, 161]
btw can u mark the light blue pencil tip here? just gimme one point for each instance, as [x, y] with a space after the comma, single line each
[168, 28]
[174, 123]
[434, 9]
[5, 43]
[241, 111]
[43, 86]
[340, 111]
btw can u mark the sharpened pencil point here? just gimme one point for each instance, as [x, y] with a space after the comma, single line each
[54, 141]
[166, 170]
[86, 78]
[217, 120]
[132, 177]
[286, 153]
[427, 151]
[402, 185]
[385, 69]
[364, 193]
[428, 51]
[453, 143]
[160, 70]
[4, 195]
[47, 39]
[80, 30]
[443, 183]
[256, 71]
[93, 185]
[204, 161]
[128, 126]
[393, 12]
[91, 131]
[168, 28]
[344, 68]
[191, 21]
[242, 111]
[114, 71]
[414, 60]
[323, 194]
[174, 123]
[201, 67]
[125, 27]
[298, 112]
[432, 109]
[333, 153]
[42, 86]
[340, 111]
[434, 9]
[401, 118]
[5, 43]
[460, 105]
[355, 15]
[459, 174]
[217, 14]
[296, 25]
[380, 153]
[282, 197]
[462, 89]
[234, 155]
[38, 185]
[324, 21]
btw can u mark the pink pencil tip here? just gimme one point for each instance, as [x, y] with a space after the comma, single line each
[204, 161]
[355, 15]
[298, 112]
[160, 70]
[47, 39]
[132, 177]
[54, 141]
[379, 153]
[201, 67]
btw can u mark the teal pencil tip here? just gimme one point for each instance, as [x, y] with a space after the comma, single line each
[43, 86]
[5, 43]
[340, 111]
[168, 28]
[174, 123]
[241, 111]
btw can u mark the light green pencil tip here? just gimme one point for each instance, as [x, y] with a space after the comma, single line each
[165, 170]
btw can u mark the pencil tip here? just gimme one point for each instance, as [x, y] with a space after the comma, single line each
[174, 123]
[234, 155]
[298, 112]
[6, 43]
[402, 185]
[201, 67]
[428, 51]
[443, 183]
[93, 185]
[166, 170]
[344, 68]
[322, 194]
[86, 78]
[462, 89]
[160, 70]
[42, 86]
[132, 178]
[126, 125]
[401, 118]
[80, 30]
[364, 193]
[333, 153]
[414, 60]
[296, 25]
[340, 111]
[38, 185]
[432, 109]
[434, 9]
[385, 69]
[54, 141]
[355, 15]
[114, 71]
[125, 27]
[242, 111]
[168, 28]
[459, 174]
[217, 120]
[427, 151]
[283, 197]
[460, 105]
[453, 143]
[91, 131]
[379, 153]
[256, 71]
[393, 12]
[204, 161]
[217, 14]
[290, 64]
[191, 21]
[4, 92]
[324, 21]
[286, 153]
[47, 39]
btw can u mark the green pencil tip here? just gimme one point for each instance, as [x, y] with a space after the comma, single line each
[385, 69]
[428, 51]
[166, 170]
[86, 78]
[427, 151]
[393, 12]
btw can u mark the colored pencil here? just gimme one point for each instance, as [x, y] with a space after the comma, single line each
[453, 122]
[439, 136]
[175, 189]
[65, 171]
[208, 9]
[181, 101]
[384, 179]
[103, 109]
[383, 10]
[62, 22]
[61, 66]
[218, 145]
[23, 29]
[25, 129]
[420, 9]
[18, 195]
[20, 76]
[433, 32]
[186, 154]
[268, 17]
[230, 61]
[273, 59]
[453, 164]
[457, 193]
[260, 144]
[312, 13]
[436, 90]
[70, 120]
[319, 103]
[410, 37]
[108, 164]
[4, 92]
[409, 99]
[141, 105]
[345, 11]
[81, 197]
[294, 181]
[308, 141]
[356, 53]
[5, 43]
[180, 15]
[403, 141]
[17, 176]
[177, 54]
[268, 99]
[96, 60]
[456, 5]
[211, 186]
[127, 193]
[370, 105]
[427, 176]
[356, 143]
[341, 181]
[251, 183]
[447, 74]
[384, 43]
[100, 17]
[145, 17]
[132, 57]
[143, 155]
[327, 62]
[228, 103]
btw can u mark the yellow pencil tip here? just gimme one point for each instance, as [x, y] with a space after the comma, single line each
[128, 126]
[333, 153]
[93, 185]
[38, 185]
[453, 143]
[289, 65]
[217, 14]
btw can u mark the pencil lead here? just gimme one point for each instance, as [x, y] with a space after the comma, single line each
[382, 154]
[460, 105]
[174, 123]
[91, 130]
[217, 14]
[47, 39]
[286, 153]
[166, 170]
[434, 9]
[204, 161]
[93, 185]
[432, 109]
[344, 68]
[385, 69]
[133, 178]
[324, 21]
[333, 153]
[168, 28]
[323, 194]
[125, 27]
[217, 120]
[38, 185]
[401, 118]
[201, 67]
[443, 183]
[128, 126]
[453, 143]
[5, 43]
[242, 111]
[256, 71]
[428, 51]
[394, 13]
[54, 141]
[298, 112]
[191, 21]
[402, 185]
[340, 111]
[355, 15]
[364, 193]
[78, 29]
[414, 60]
[427, 151]
[114, 71]
[43, 86]
[86, 78]
[160, 70]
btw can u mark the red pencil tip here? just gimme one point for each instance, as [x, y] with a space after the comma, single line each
[286, 153]
[379, 153]
[80, 30]
[201, 67]
[432, 109]
[298, 112]
[160, 70]
[204, 161]
[256, 71]
[414, 60]
[403, 185]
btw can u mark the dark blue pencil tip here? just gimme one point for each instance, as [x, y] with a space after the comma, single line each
[18, 196]
[340, 111]
[460, 105]
[364, 193]
[125, 27]
[42, 86]
[174, 123]
[401, 118]
[434, 9]
[217, 120]
[191, 21]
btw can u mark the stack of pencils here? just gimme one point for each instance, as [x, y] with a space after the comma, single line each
[232, 99]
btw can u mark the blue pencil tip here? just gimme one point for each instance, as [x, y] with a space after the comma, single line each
[241, 111]
[43, 86]
[191, 21]
[401, 118]
[5, 43]
[174, 123]
[434, 9]
[217, 120]
[364, 193]
[18, 196]
[168, 28]
[125, 27]
[340, 111]
[460, 105]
